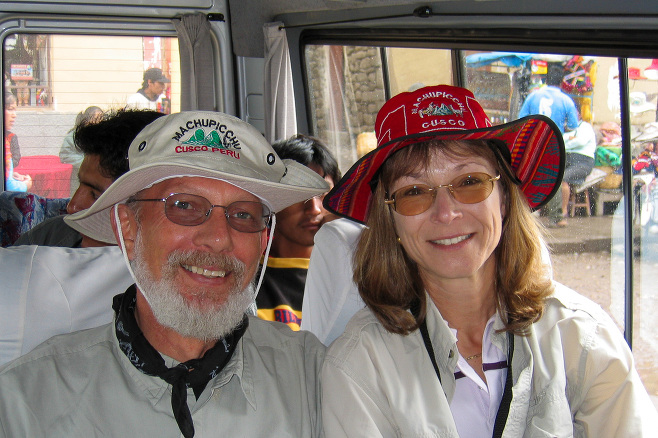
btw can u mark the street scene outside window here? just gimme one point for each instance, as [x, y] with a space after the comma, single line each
[53, 82]
[586, 223]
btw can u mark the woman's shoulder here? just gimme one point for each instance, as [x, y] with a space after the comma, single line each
[574, 315]
[362, 332]
[566, 301]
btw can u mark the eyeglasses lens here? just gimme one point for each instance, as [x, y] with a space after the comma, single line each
[468, 189]
[189, 210]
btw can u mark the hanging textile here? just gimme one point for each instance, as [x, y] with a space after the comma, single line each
[196, 62]
[279, 96]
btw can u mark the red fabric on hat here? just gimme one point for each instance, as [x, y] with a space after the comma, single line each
[452, 113]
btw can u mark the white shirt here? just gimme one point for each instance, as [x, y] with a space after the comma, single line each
[330, 296]
[48, 291]
[475, 403]
[139, 101]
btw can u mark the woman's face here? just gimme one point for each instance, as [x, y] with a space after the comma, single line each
[451, 240]
[10, 116]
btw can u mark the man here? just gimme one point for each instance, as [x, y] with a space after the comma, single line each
[281, 294]
[191, 217]
[151, 94]
[550, 101]
[104, 144]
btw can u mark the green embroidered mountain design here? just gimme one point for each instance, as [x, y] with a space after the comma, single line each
[200, 138]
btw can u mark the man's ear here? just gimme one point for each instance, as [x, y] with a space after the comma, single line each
[128, 228]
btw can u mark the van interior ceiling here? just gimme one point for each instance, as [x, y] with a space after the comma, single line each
[325, 67]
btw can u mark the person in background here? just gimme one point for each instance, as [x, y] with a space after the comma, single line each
[580, 147]
[549, 100]
[181, 356]
[330, 295]
[104, 144]
[14, 181]
[70, 154]
[152, 91]
[465, 333]
[282, 291]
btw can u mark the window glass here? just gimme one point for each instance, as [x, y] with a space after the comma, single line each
[54, 81]
[585, 229]
[643, 90]
[347, 85]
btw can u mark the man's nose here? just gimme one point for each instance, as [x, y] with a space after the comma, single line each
[313, 205]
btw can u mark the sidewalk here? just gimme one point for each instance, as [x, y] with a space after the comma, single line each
[582, 234]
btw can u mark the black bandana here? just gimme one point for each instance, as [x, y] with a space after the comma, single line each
[195, 373]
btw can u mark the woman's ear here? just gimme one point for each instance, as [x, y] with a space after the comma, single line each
[126, 227]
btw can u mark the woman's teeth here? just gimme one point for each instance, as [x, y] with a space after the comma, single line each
[452, 241]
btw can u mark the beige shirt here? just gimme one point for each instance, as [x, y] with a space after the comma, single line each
[573, 376]
[82, 385]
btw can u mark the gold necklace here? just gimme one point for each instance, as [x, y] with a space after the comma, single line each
[473, 356]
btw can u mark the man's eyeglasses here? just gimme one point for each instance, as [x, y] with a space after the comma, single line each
[469, 188]
[190, 210]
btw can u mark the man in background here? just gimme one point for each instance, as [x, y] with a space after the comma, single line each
[282, 291]
[549, 100]
[104, 144]
[152, 92]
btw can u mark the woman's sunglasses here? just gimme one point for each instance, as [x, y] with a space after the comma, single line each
[469, 188]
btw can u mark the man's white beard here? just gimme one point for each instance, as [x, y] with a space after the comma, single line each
[172, 311]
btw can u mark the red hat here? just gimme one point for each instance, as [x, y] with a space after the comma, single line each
[535, 148]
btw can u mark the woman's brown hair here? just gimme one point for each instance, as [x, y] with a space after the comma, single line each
[388, 280]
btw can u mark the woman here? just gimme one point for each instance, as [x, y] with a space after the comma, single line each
[15, 182]
[464, 333]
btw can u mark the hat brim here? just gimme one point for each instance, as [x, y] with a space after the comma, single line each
[539, 169]
[299, 184]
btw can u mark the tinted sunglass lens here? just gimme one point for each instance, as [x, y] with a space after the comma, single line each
[413, 205]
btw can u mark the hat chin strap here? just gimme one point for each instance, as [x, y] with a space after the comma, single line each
[252, 308]
[122, 246]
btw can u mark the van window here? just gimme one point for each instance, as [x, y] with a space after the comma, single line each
[619, 198]
[349, 84]
[55, 80]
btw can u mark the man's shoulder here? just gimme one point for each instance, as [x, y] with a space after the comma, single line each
[136, 97]
[341, 231]
[51, 232]
[65, 352]
[279, 336]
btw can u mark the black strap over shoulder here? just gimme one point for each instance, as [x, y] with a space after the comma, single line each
[503, 409]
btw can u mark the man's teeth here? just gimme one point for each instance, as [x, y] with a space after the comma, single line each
[452, 241]
[205, 272]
